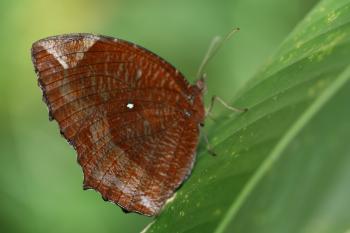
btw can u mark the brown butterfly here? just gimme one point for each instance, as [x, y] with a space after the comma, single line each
[131, 116]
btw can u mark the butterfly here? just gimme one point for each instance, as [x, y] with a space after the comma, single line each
[132, 117]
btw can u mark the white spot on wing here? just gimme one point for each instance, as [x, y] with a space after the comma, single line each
[130, 105]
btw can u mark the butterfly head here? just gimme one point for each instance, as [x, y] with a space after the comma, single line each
[196, 99]
[201, 84]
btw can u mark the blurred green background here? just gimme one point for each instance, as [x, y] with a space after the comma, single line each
[40, 181]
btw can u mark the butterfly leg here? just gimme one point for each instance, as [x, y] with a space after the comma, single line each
[209, 147]
[217, 98]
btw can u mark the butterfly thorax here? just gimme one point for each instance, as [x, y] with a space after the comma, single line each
[197, 104]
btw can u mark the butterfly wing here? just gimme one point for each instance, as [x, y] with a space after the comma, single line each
[122, 108]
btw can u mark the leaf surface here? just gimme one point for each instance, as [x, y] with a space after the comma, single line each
[284, 166]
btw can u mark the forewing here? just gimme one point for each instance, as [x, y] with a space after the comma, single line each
[120, 106]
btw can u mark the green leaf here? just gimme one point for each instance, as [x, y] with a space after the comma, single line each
[284, 166]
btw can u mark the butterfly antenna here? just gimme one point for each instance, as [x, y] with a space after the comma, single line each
[214, 47]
